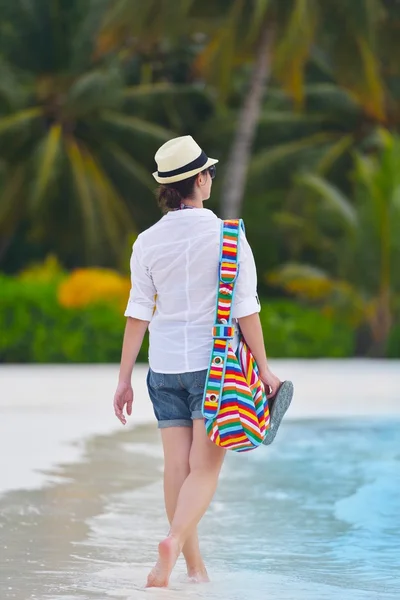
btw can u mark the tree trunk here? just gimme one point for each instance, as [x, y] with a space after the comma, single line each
[382, 319]
[381, 324]
[238, 161]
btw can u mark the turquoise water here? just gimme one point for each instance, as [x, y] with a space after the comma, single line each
[322, 506]
[316, 516]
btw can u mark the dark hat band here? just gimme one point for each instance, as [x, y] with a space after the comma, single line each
[195, 164]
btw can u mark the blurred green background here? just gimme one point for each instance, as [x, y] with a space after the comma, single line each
[299, 99]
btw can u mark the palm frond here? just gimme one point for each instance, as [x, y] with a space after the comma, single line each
[130, 165]
[270, 116]
[374, 99]
[266, 159]
[12, 89]
[257, 19]
[115, 217]
[135, 124]
[365, 168]
[149, 91]
[334, 153]
[77, 162]
[49, 152]
[94, 91]
[19, 118]
[331, 96]
[293, 50]
[301, 232]
[332, 196]
[217, 59]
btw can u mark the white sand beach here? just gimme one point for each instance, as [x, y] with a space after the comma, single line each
[48, 411]
[81, 496]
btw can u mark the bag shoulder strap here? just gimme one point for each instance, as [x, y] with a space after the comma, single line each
[228, 269]
[223, 330]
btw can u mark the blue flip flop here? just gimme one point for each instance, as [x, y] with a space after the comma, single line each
[278, 406]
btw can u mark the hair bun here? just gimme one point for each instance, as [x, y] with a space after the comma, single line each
[170, 195]
[169, 198]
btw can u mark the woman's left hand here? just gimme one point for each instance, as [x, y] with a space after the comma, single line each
[271, 382]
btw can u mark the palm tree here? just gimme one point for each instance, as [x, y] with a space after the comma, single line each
[249, 43]
[365, 281]
[73, 148]
[322, 137]
[278, 38]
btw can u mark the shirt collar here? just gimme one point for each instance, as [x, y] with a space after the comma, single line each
[196, 212]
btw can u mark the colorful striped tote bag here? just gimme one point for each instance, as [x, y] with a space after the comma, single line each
[235, 406]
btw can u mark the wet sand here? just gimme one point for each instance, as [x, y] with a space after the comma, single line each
[42, 529]
[65, 460]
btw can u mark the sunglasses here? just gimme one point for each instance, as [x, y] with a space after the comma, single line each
[212, 170]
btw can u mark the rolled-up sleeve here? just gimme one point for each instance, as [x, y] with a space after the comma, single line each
[246, 300]
[142, 295]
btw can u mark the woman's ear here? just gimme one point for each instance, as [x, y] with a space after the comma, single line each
[201, 179]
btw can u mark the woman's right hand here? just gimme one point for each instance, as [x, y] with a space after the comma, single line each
[123, 396]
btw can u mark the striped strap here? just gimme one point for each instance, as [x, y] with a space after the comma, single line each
[223, 331]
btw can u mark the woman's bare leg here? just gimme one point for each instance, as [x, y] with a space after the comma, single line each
[177, 443]
[196, 493]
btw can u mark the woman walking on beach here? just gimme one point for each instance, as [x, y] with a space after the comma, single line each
[174, 269]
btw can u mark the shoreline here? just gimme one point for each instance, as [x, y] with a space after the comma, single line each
[48, 412]
[50, 530]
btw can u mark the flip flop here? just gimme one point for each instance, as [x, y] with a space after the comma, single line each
[278, 406]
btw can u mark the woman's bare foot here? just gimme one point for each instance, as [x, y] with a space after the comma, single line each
[168, 552]
[198, 575]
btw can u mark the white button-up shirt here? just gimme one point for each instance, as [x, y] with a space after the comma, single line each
[174, 268]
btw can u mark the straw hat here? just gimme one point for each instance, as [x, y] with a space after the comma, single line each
[179, 159]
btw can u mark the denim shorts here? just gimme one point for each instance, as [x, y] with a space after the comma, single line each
[176, 398]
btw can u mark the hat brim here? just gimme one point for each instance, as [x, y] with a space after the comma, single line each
[182, 176]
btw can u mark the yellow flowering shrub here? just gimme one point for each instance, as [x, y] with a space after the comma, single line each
[91, 286]
[49, 270]
[337, 299]
[312, 289]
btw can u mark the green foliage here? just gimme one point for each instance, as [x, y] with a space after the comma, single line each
[365, 276]
[35, 328]
[90, 88]
[295, 331]
[393, 346]
[76, 144]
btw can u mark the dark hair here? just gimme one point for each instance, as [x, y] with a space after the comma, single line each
[170, 195]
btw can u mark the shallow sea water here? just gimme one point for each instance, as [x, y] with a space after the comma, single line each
[315, 516]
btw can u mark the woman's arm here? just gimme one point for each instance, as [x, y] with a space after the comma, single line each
[245, 310]
[251, 329]
[133, 338]
[135, 330]
[139, 311]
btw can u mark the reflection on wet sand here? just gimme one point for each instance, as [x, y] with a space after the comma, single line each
[40, 529]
